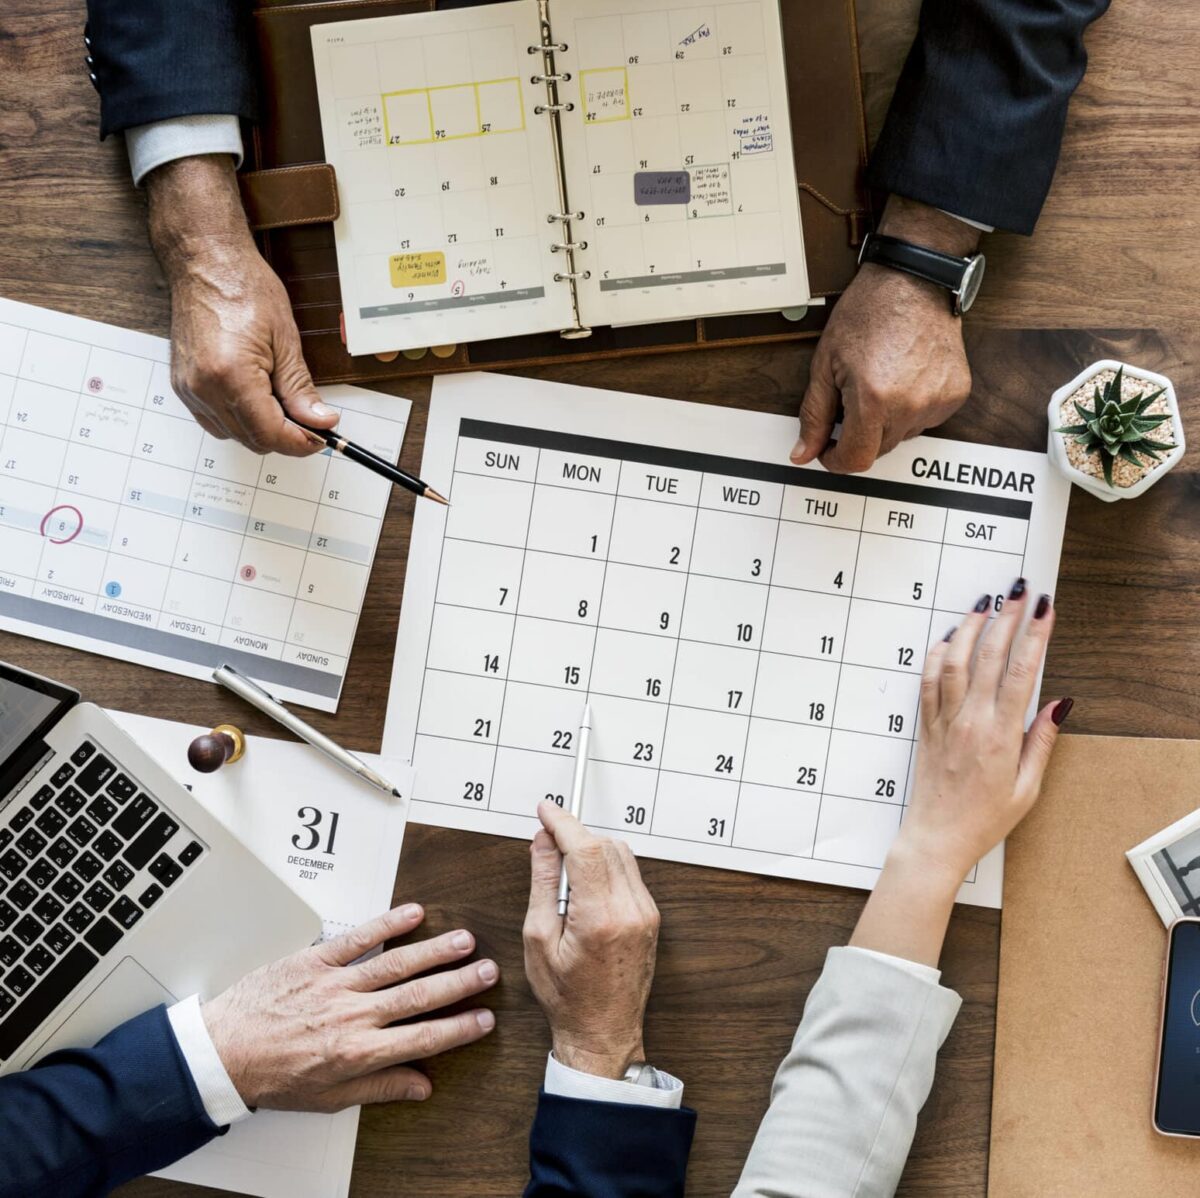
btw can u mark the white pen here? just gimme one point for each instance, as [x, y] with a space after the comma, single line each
[254, 694]
[576, 808]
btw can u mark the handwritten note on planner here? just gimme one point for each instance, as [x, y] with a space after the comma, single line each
[750, 634]
[127, 530]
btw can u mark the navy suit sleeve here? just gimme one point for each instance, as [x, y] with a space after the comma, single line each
[976, 122]
[83, 1121]
[607, 1149]
[156, 59]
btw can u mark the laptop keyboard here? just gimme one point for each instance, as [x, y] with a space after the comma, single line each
[81, 862]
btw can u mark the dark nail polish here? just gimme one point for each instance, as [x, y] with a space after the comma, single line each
[985, 601]
[1062, 709]
[1018, 589]
[1043, 606]
[950, 635]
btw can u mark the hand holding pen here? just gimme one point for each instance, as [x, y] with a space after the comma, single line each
[592, 971]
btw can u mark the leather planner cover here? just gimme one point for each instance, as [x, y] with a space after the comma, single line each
[291, 197]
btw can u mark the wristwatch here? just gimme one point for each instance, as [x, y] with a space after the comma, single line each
[960, 276]
[641, 1074]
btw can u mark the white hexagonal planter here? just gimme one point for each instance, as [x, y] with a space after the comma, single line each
[1056, 445]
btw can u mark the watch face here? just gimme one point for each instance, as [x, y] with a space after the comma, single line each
[969, 288]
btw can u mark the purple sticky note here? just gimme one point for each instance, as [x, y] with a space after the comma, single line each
[662, 187]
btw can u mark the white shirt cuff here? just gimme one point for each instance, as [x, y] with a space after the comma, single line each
[181, 137]
[926, 973]
[667, 1092]
[966, 220]
[222, 1103]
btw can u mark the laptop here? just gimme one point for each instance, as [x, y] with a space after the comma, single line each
[118, 890]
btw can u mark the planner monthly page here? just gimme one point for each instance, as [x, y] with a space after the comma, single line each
[446, 176]
[679, 153]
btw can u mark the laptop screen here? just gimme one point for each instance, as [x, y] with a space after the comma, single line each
[29, 706]
[22, 711]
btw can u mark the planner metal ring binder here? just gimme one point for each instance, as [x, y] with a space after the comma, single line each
[550, 76]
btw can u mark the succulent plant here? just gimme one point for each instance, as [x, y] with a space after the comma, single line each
[1116, 427]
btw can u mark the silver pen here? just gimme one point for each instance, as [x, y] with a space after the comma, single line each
[254, 694]
[576, 808]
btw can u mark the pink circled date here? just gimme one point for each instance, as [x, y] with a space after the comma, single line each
[62, 507]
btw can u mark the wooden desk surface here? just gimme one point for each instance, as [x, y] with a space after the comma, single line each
[738, 952]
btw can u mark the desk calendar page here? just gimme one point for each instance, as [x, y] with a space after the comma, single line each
[127, 530]
[336, 842]
[750, 634]
[446, 175]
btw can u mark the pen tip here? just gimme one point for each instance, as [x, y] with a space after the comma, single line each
[430, 493]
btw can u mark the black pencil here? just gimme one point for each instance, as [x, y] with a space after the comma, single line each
[382, 467]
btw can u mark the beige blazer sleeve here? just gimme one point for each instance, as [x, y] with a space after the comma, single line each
[845, 1100]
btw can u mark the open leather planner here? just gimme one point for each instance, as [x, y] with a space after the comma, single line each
[500, 184]
[526, 167]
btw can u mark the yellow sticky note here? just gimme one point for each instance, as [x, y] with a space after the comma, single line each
[418, 270]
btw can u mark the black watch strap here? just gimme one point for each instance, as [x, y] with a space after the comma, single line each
[932, 265]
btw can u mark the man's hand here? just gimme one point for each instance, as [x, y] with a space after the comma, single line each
[591, 971]
[310, 1032]
[891, 355]
[235, 349]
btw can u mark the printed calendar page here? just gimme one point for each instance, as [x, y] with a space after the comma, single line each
[446, 176]
[749, 634]
[679, 152]
[127, 530]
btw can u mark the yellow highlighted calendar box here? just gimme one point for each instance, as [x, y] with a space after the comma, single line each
[604, 92]
[418, 116]
[423, 269]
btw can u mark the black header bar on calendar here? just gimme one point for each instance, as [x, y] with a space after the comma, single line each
[771, 472]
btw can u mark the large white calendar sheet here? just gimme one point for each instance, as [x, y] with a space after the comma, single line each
[127, 530]
[750, 634]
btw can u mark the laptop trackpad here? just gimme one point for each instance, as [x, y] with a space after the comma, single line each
[127, 991]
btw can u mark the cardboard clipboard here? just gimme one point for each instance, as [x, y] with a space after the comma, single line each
[1081, 957]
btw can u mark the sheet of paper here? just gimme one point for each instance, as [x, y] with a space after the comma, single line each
[446, 176]
[678, 150]
[127, 530]
[336, 842]
[750, 634]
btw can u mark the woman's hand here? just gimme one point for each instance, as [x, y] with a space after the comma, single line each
[978, 771]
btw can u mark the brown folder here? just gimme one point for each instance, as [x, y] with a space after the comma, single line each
[1081, 956]
[291, 197]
